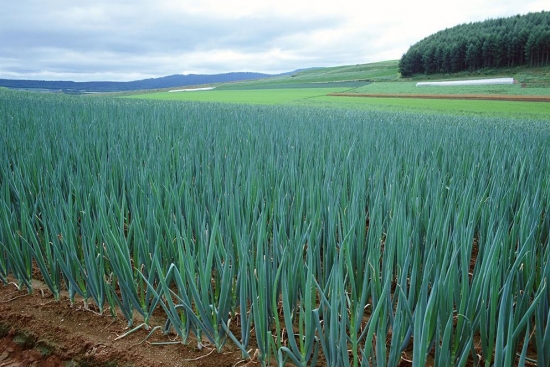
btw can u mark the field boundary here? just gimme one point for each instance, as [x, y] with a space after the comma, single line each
[487, 97]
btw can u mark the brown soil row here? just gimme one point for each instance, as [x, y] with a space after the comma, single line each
[488, 97]
[36, 330]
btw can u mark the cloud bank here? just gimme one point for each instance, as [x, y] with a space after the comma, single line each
[129, 40]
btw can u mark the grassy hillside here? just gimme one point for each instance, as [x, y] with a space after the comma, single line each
[347, 76]
[378, 71]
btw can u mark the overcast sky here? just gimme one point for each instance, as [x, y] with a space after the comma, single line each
[123, 40]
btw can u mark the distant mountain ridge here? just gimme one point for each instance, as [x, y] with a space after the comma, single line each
[170, 81]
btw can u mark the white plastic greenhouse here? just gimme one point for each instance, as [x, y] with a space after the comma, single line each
[468, 82]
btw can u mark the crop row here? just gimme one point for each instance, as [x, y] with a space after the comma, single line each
[361, 237]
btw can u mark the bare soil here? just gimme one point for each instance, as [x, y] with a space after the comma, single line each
[36, 330]
[488, 97]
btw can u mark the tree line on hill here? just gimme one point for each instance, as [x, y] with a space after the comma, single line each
[502, 42]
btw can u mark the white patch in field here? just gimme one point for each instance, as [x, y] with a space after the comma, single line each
[493, 81]
[190, 89]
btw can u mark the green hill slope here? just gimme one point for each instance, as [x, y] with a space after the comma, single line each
[378, 71]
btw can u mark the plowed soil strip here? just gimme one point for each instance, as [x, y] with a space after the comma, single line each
[487, 97]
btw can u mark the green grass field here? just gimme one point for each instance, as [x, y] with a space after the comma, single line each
[317, 97]
[249, 96]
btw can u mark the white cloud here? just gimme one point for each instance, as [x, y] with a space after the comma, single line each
[128, 40]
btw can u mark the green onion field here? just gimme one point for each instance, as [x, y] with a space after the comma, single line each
[318, 235]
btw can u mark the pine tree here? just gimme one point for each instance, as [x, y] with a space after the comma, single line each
[518, 40]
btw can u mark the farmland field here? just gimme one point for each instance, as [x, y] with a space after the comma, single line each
[288, 95]
[320, 97]
[278, 233]
[411, 88]
[318, 88]
[314, 88]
